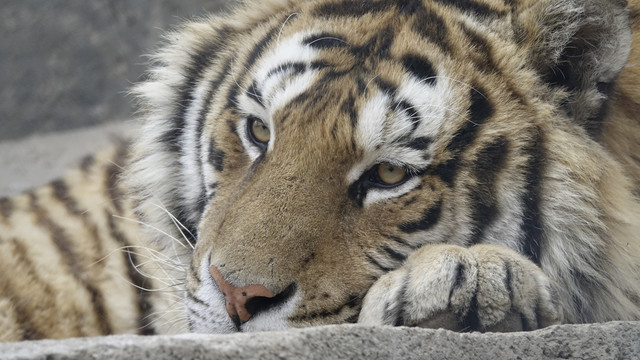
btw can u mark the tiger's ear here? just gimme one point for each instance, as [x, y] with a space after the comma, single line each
[581, 45]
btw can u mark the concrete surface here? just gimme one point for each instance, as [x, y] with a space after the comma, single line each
[616, 340]
[69, 63]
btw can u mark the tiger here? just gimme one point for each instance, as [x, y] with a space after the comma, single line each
[470, 165]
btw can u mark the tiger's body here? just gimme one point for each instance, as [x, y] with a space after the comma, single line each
[466, 164]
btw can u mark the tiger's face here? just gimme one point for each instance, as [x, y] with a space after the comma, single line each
[327, 141]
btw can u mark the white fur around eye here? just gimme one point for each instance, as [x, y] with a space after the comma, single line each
[379, 194]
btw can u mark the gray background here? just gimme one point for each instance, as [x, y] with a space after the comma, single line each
[65, 64]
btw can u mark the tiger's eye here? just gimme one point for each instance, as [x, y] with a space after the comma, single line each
[260, 132]
[391, 174]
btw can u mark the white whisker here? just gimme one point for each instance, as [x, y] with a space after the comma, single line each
[326, 38]
[178, 224]
[149, 226]
[283, 25]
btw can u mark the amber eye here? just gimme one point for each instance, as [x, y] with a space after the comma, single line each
[390, 174]
[260, 134]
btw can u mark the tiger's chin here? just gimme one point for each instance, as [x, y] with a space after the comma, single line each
[273, 320]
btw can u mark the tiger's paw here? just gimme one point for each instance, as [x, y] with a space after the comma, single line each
[481, 288]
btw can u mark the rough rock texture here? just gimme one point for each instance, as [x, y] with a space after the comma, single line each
[69, 63]
[616, 340]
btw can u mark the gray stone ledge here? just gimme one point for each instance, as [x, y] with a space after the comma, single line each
[614, 340]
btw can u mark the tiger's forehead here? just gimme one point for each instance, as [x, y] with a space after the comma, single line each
[388, 103]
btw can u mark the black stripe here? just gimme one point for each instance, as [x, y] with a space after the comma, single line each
[253, 56]
[196, 300]
[411, 201]
[471, 321]
[216, 156]
[398, 240]
[349, 108]
[112, 176]
[255, 94]
[377, 264]
[202, 59]
[411, 113]
[401, 315]
[446, 171]
[292, 68]
[302, 98]
[386, 87]
[225, 71]
[394, 254]
[473, 7]
[595, 123]
[325, 41]
[585, 285]
[6, 207]
[484, 206]
[70, 258]
[420, 143]
[409, 7]
[531, 227]
[198, 207]
[361, 85]
[379, 46]
[508, 278]
[311, 94]
[353, 301]
[24, 309]
[430, 218]
[433, 28]
[351, 8]
[357, 192]
[214, 87]
[420, 67]
[479, 111]
[61, 192]
[87, 162]
[319, 65]
[143, 301]
[482, 55]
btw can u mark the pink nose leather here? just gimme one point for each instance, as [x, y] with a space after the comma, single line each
[236, 297]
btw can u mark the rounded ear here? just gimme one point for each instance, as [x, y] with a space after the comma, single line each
[580, 45]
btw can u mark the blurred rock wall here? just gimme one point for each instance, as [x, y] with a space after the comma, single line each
[69, 63]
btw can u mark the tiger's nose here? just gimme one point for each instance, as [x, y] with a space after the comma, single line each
[238, 298]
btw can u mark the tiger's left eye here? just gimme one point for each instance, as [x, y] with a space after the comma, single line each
[390, 174]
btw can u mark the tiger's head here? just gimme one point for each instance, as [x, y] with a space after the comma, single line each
[308, 147]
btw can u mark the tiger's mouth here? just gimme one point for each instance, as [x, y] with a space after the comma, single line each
[221, 307]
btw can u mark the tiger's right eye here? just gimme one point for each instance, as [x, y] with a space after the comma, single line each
[258, 132]
[391, 175]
